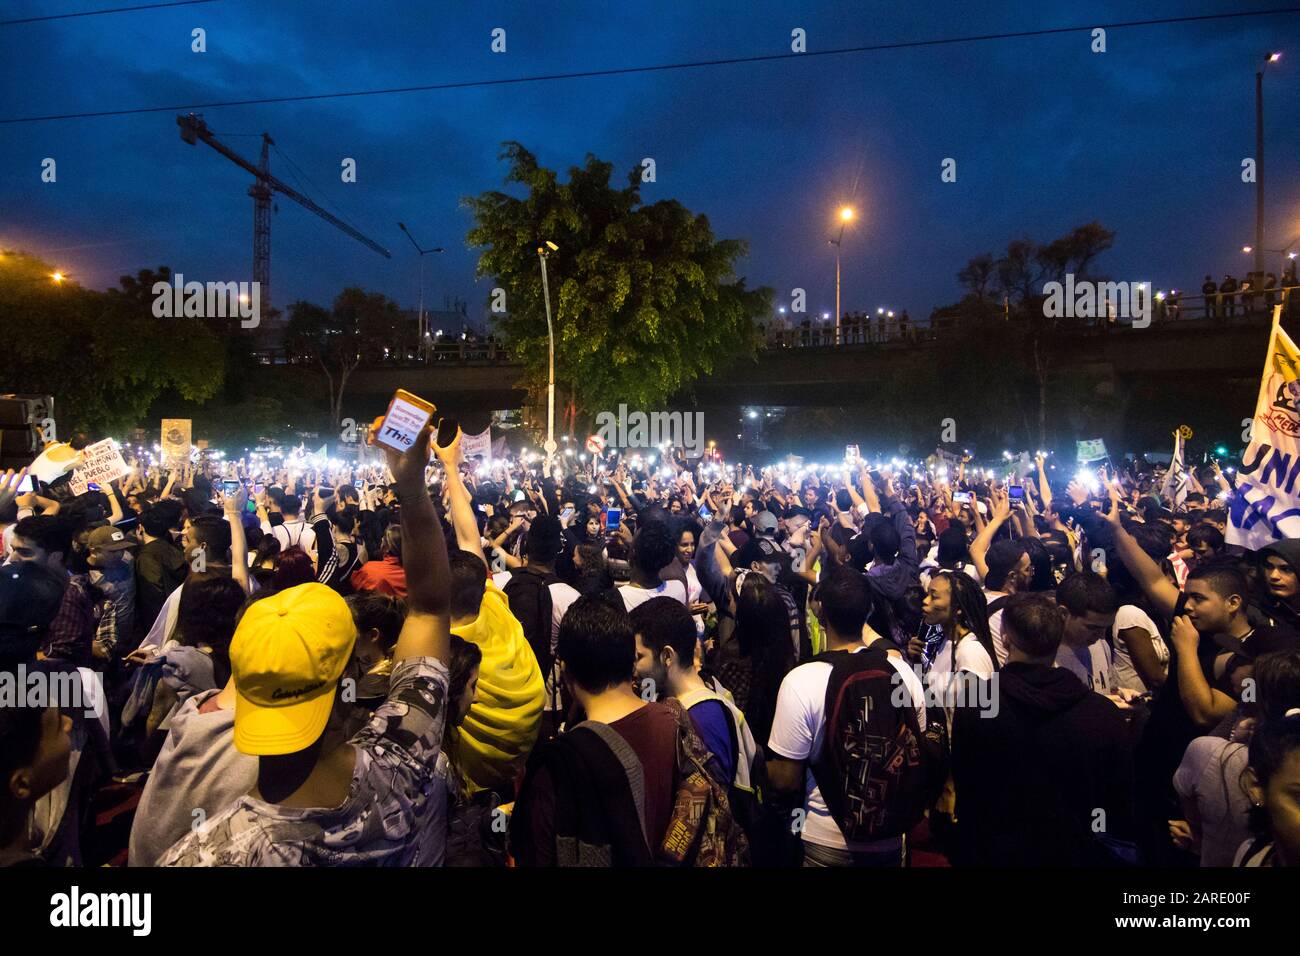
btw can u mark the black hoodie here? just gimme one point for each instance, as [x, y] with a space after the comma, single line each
[1282, 616]
[1032, 775]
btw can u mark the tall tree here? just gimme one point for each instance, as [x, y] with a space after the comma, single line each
[104, 356]
[1026, 337]
[644, 299]
[360, 327]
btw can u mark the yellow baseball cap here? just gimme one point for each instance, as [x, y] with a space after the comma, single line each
[286, 657]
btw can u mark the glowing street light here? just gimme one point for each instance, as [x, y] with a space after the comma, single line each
[846, 216]
[1259, 159]
[542, 254]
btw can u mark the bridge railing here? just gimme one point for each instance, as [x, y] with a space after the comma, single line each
[457, 353]
[1232, 309]
[1229, 309]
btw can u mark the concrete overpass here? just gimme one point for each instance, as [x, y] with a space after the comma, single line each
[1197, 349]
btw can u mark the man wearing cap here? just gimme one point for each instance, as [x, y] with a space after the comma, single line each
[112, 573]
[317, 801]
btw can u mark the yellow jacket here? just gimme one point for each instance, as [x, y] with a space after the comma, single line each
[492, 745]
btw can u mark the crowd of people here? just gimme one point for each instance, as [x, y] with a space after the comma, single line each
[1252, 295]
[634, 662]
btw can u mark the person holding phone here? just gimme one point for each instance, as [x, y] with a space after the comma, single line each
[360, 801]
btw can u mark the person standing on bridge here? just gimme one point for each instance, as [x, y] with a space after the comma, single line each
[1227, 295]
[1211, 293]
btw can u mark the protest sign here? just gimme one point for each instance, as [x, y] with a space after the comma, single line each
[480, 444]
[1092, 449]
[176, 441]
[101, 463]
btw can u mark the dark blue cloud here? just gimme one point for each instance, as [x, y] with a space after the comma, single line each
[1147, 138]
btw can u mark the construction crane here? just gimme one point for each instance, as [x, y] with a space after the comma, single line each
[193, 129]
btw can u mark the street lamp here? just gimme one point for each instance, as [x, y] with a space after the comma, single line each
[420, 351]
[846, 216]
[1259, 160]
[543, 252]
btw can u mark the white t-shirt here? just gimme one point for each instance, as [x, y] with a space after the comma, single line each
[635, 597]
[798, 729]
[1099, 674]
[971, 657]
[562, 596]
[1130, 616]
[295, 533]
[693, 586]
[1000, 646]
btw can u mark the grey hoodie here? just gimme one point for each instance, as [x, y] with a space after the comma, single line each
[199, 769]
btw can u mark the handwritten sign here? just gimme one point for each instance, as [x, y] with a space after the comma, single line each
[101, 463]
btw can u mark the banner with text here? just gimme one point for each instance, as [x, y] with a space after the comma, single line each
[1266, 507]
[101, 463]
[480, 444]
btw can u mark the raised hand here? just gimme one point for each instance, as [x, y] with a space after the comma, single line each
[9, 483]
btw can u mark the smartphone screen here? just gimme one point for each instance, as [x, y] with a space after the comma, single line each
[1016, 492]
[613, 517]
[258, 489]
[404, 421]
[566, 514]
[962, 496]
[230, 485]
[706, 514]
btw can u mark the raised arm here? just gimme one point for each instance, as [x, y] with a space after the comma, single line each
[459, 505]
[1001, 510]
[233, 506]
[427, 630]
[1146, 572]
[1044, 488]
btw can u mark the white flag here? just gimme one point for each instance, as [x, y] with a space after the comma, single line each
[1175, 484]
[1266, 507]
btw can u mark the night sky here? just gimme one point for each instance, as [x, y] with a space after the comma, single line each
[1147, 138]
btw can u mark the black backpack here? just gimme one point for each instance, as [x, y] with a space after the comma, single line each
[529, 594]
[877, 771]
